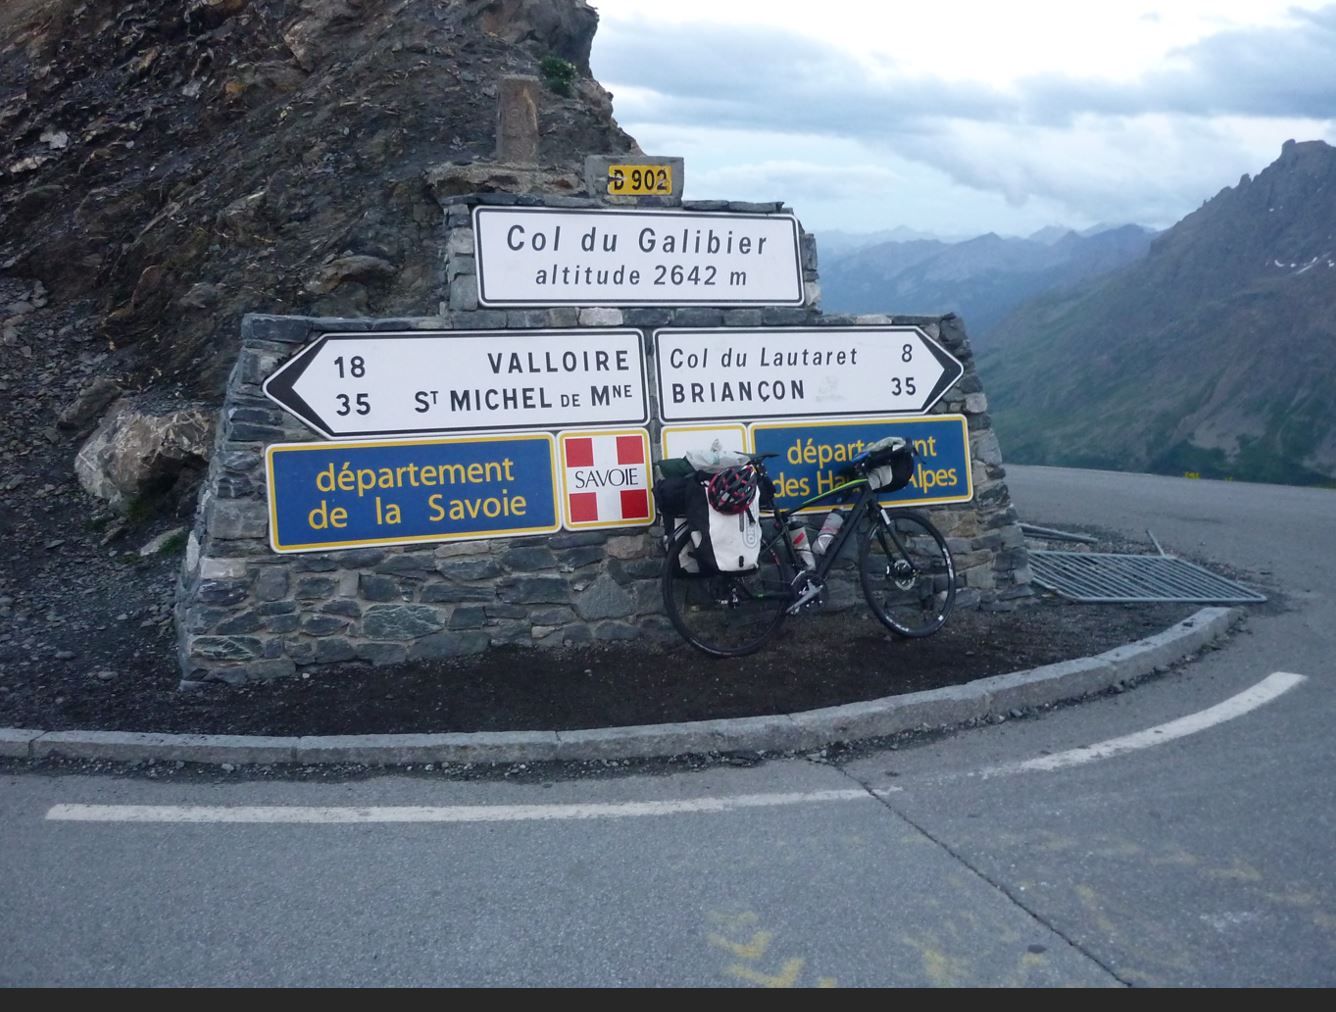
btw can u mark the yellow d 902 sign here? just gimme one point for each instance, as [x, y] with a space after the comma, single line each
[640, 180]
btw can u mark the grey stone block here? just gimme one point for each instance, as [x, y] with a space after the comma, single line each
[461, 548]
[613, 631]
[246, 622]
[505, 634]
[454, 593]
[400, 621]
[16, 742]
[464, 293]
[468, 616]
[487, 319]
[381, 654]
[221, 592]
[546, 616]
[276, 608]
[526, 318]
[1047, 684]
[130, 746]
[648, 317]
[201, 619]
[318, 562]
[603, 598]
[534, 590]
[378, 588]
[529, 559]
[408, 565]
[323, 625]
[749, 734]
[577, 539]
[578, 633]
[248, 431]
[271, 584]
[779, 316]
[282, 623]
[879, 717]
[396, 749]
[268, 669]
[698, 316]
[749, 317]
[315, 588]
[232, 487]
[469, 569]
[226, 648]
[577, 558]
[633, 570]
[334, 650]
[449, 645]
[342, 606]
[600, 316]
[257, 415]
[281, 329]
[361, 558]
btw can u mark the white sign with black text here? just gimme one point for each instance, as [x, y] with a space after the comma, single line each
[535, 256]
[826, 372]
[356, 385]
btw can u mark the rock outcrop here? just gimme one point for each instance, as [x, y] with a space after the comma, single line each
[180, 164]
[141, 450]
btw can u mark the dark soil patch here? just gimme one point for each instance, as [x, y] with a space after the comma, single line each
[817, 661]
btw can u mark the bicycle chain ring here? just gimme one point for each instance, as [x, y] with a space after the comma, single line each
[802, 582]
[902, 573]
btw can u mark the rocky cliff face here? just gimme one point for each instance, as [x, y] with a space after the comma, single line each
[166, 167]
[179, 164]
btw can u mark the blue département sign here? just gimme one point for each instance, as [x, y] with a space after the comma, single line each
[325, 496]
[811, 454]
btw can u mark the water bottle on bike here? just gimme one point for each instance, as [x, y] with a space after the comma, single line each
[828, 531]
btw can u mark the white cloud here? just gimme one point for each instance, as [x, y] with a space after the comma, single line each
[1006, 112]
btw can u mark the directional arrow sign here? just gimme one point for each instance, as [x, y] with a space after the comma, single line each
[739, 374]
[349, 386]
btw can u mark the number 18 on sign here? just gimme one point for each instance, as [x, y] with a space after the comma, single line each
[398, 384]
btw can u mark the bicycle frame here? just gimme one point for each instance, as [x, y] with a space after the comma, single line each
[865, 500]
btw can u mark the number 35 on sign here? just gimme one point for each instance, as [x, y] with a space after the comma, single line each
[637, 180]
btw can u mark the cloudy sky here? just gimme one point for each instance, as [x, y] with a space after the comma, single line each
[960, 117]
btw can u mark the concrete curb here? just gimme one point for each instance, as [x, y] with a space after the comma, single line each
[957, 704]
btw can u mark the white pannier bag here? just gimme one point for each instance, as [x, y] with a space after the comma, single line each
[735, 539]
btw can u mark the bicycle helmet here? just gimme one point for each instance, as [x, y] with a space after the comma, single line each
[732, 489]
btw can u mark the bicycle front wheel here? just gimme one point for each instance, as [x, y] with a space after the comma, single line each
[726, 614]
[907, 574]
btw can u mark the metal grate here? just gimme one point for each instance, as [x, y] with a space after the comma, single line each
[1101, 578]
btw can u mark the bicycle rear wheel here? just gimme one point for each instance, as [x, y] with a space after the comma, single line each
[726, 614]
[907, 574]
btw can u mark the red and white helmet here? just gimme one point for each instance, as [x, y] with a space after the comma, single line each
[732, 489]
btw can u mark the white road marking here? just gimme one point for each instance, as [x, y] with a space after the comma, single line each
[1260, 694]
[429, 813]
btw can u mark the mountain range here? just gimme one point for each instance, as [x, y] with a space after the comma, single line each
[1212, 354]
[980, 279]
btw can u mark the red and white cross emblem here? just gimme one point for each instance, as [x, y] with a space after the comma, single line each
[606, 479]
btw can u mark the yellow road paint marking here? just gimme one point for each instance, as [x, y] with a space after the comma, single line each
[787, 976]
[753, 949]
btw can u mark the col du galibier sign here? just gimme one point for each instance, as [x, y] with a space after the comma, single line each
[541, 256]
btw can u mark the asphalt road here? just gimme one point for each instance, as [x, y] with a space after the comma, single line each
[1194, 850]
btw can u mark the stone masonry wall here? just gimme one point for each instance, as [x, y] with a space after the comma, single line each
[244, 612]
